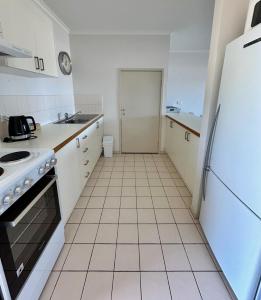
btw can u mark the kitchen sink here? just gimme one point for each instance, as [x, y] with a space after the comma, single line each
[78, 119]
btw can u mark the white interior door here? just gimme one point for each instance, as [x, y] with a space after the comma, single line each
[140, 98]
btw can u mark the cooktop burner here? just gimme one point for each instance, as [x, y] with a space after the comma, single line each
[14, 157]
[1, 171]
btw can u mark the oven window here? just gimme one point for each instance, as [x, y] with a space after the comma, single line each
[257, 15]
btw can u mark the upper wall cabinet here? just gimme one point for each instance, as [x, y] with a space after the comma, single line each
[25, 24]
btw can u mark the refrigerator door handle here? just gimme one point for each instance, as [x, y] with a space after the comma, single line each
[206, 168]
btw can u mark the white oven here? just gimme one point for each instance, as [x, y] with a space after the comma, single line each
[254, 15]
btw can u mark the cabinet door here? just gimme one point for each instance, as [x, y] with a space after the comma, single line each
[16, 18]
[45, 43]
[68, 178]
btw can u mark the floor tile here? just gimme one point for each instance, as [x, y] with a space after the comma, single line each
[144, 202]
[211, 286]
[102, 182]
[176, 202]
[157, 191]
[49, 287]
[179, 182]
[184, 191]
[96, 202]
[128, 234]
[82, 202]
[98, 286]
[62, 257]
[112, 202]
[129, 175]
[107, 233]
[189, 233]
[146, 215]
[160, 202]
[187, 201]
[65, 289]
[141, 175]
[128, 182]
[105, 175]
[110, 215]
[116, 182]
[128, 202]
[128, 216]
[155, 182]
[78, 257]
[183, 286]
[169, 234]
[70, 231]
[76, 216]
[148, 233]
[99, 191]
[126, 286]
[114, 191]
[171, 191]
[182, 216]
[128, 191]
[175, 258]
[86, 233]
[127, 258]
[199, 258]
[92, 215]
[143, 191]
[151, 258]
[167, 182]
[142, 182]
[117, 175]
[164, 216]
[87, 191]
[154, 286]
[103, 257]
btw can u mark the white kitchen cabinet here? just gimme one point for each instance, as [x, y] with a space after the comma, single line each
[76, 162]
[69, 178]
[182, 148]
[25, 24]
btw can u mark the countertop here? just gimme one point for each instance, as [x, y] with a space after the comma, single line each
[190, 122]
[51, 136]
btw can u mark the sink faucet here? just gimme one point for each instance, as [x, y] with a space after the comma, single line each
[66, 115]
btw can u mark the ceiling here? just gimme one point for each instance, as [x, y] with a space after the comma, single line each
[135, 16]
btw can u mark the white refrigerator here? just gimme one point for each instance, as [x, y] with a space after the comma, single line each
[231, 207]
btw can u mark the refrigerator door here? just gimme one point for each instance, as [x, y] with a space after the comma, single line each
[236, 152]
[233, 232]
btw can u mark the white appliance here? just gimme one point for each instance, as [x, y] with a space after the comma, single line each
[8, 49]
[31, 231]
[254, 15]
[231, 206]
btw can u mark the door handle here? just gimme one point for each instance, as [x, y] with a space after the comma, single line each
[206, 167]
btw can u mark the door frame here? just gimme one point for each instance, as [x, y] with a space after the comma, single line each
[119, 104]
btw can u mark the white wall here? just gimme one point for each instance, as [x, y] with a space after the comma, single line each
[97, 60]
[41, 98]
[229, 21]
[187, 74]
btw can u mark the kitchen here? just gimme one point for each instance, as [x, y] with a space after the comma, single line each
[160, 217]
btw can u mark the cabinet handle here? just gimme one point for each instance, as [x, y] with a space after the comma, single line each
[41, 61]
[85, 137]
[87, 174]
[87, 162]
[78, 143]
[97, 125]
[36, 62]
[171, 124]
[188, 134]
[85, 150]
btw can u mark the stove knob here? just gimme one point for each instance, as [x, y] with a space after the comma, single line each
[18, 191]
[28, 183]
[7, 200]
[47, 165]
[41, 170]
[53, 161]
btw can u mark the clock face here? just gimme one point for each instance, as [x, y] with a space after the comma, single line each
[65, 63]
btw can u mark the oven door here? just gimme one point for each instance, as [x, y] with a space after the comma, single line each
[25, 229]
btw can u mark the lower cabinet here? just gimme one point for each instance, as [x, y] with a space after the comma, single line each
[182, 148]
[76, 161]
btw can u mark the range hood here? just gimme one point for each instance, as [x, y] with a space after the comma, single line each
[8, 49]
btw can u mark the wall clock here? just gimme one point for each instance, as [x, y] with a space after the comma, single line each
[65, 63]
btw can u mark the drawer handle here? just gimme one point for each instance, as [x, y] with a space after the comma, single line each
[87, 174]
[85, 137]
[87, 162]
[97, 125]
[85, 150]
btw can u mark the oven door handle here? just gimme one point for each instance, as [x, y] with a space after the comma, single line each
[36, 199]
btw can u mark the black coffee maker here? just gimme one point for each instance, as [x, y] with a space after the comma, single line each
[19, 128]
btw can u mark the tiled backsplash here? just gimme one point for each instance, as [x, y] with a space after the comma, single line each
[44, 109]
[90, 104]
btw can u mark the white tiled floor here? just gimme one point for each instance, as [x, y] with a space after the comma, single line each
[132, 236]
